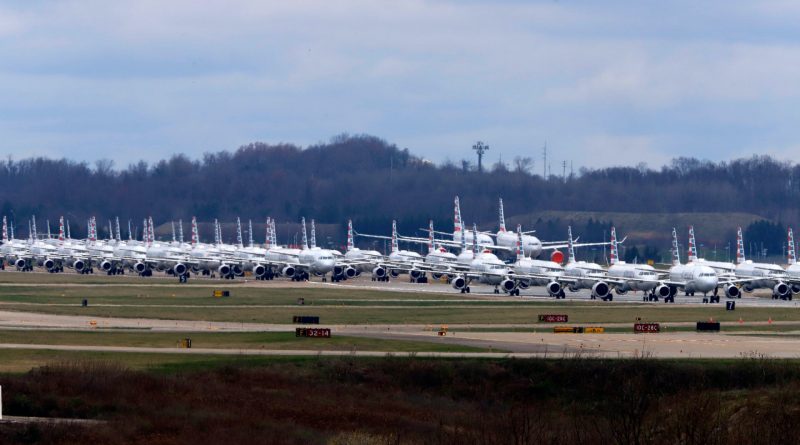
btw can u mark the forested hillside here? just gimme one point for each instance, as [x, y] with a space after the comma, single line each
[373, 181]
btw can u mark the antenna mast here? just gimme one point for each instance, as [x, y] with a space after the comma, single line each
[480, 148]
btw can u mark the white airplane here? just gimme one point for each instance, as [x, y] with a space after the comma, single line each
[165, 257]
[361, 260]
[635, 277]
[483, 267]
[586, 275]
[314, 260]
[793, 270]
[301, 264]
[252, 257]
[437, 261]
[484, 239]
[542, 272]
[724, 270]
[209, 258]
[13, 251]
[691, 277]
[760, 275]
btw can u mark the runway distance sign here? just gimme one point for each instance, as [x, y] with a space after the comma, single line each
[553, 318]
[646, 327]
[313, 332]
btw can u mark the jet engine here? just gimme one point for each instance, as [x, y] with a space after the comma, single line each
[508, 285]
[237, 270]
[523, 284]
[459, 283]
[662, 290]
[781, 289]
[49, 264]
[259, 270]
[394, 273]
[436, 276]
[796, 288]
[224, 270]
[139, 267]
[553, 288]
[179, 269]
[732, 291]
[288, 271]
[350, 271]
[379, 272]
[601, 290]
[105, 265]
[416, 274]
[79, 265]
[20, 263]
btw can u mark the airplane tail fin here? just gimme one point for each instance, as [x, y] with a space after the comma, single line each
[239, 239]
[350, 243]
[174, 235]
[463, 241]
[119, 234]
[61, 229]
[395, 244]
[48, 229]
[518, 251]
[217, 232]
[130, 231]
[111, 231]
[614, 252]
[180, 231]
[458, 226]
[739, 247]
[274, 234]
[313, 234]
[691, 252]
[152, 230]
[431, 241]
[250, 241]
[69, 235]
[676, 256]
[33, 227]
[474, 240]
[195, 234]
[5, 229]
[268, 236]
[570, 246]
[502, 217]
[791, 258]
[305, 235]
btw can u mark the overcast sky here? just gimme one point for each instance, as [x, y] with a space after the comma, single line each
[603, 82]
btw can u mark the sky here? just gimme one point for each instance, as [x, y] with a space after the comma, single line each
[602, 83]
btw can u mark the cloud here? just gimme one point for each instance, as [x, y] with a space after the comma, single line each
[147, 78]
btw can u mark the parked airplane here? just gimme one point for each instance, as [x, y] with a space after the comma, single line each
[541, 272]
[793, 271]
[724, 270]
[484, 267]
[693, 277]
[760, 275]
[586, 275]
[635, 277]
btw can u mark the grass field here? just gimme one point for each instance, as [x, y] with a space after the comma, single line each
[223, 340]
[160, 299]
[418, 314]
